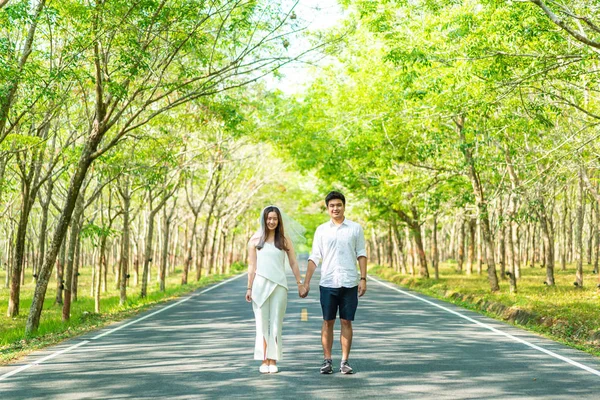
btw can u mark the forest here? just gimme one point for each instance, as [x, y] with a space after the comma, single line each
[139, 140]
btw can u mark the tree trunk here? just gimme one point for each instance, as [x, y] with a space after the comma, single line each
[124, 261]
[511, 250]
[563, 256]
[410, 251]
[166, 194]
[479, 248]
[570, 242]
[460, 247]
[471, 249]
[596, 238]
[3, 162]
[400, 247]
[501, 240]
[99, 268]
[147, 253]
[481, 206]
[412, 221]
[77, 179]
[435, 256]
[390, 248]
[165, 250]
[232, 250]
[590, 243]
[548, 238]
[223, 243]
[66, 313]
[189, 258]
[579, 235]
[60, 273]
[44, 224]
[452, 245]
[15, 286]
[512, 225]
[30, 185]
[423, 271]
[376, 248]
[214, 247]
[9, 259]
[76, 266]
[208, 220]
[597, 243]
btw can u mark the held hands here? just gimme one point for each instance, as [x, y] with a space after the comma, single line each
[303, 290]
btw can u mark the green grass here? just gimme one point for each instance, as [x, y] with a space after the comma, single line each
[561, 312]
[52, 330]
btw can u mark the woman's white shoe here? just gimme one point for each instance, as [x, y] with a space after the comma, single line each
[273, 369]
[264, 369]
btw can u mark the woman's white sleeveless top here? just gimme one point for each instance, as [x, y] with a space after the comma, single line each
[270, 272]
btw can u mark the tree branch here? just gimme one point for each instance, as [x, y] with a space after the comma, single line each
[557, 21]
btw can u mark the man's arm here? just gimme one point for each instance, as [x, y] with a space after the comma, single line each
[362, 284]
[310, 270]
[361, 255]
[316, 255]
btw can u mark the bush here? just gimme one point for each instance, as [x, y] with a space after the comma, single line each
[238, 267]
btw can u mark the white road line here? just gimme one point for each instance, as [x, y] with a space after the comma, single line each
[135, 321]
[41, 360]
[491, 328]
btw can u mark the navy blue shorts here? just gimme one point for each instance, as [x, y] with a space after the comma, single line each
[344, 299]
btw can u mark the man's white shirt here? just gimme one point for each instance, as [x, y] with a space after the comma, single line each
[338, 247]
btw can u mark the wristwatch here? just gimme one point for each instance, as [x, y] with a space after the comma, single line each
[363, 279]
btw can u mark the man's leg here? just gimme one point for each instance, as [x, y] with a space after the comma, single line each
[329, 306]
[327, 338]
[348, 305]
[346, 338]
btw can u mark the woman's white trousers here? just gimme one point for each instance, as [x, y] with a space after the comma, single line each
[269, 320]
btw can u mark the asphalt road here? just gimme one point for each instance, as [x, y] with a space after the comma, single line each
[405, 346]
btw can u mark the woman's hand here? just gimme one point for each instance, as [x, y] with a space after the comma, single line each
[249, 295]
[305, 290]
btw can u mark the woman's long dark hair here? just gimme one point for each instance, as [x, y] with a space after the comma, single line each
[279, 231]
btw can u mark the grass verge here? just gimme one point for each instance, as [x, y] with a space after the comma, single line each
[562, 312]
[52, 330]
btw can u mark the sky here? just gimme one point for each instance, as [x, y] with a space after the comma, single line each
[319, 15]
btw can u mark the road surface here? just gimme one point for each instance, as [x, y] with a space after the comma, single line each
[405, 346]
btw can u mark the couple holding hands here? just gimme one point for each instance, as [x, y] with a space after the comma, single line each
[337, 245]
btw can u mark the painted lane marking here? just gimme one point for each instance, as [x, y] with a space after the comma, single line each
[40, 361]
[165, 308]
[304, 315]
[495, 330]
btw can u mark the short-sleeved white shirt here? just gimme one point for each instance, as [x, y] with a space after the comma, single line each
[338, 247]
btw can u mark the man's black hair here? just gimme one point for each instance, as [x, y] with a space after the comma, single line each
[335, 195]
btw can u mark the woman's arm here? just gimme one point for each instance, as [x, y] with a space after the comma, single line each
[293, 262]
[251, 269]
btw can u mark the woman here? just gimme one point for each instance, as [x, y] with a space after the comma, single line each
[267, 285]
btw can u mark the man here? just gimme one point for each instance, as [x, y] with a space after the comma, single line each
[338, 243]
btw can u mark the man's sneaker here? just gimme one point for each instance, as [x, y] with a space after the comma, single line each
[345, 368]
[327, 367]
